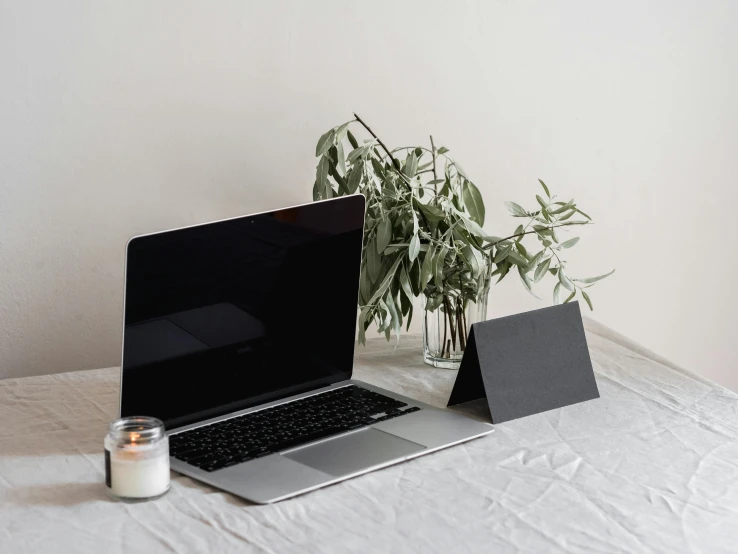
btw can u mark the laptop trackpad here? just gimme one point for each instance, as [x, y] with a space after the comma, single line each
[354, 452]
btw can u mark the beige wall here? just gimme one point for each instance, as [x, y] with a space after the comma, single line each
[118, 118]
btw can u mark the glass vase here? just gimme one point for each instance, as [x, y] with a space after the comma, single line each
[446, 329]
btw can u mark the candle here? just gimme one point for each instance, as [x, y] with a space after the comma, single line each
[136, 459]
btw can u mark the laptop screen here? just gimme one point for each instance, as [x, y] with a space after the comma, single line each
[227, 315]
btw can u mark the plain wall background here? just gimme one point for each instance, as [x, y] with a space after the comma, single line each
[119, 118]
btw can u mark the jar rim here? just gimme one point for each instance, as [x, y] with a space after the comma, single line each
[137, 429]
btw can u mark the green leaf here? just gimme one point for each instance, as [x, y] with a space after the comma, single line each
[355, 154]
[516, 209]
[519, 260]
[362, 324]
[503, 253]
[569, 243]
[545, 188]
[473, 202]
[386, 282]
[563, 208]
[411, 165]
[414, 275]
[341, 158]
[384, 234]
[373, 261]
[431, 213]
[341, 132]
[436, 181]
[396, 321]
[522, 250]
[414, 247]
[378, 169]
[445, 189]
[460, 170]
[438, 266]
[536, 260]
[325, 142]
[352, 140]
[472, 256]
[567, 216]
[354, 177]
[426, 270]
[504, 269]
[594, 279]
[333, 172]
[526, 281]
[409, 317]
[441, 150]
[565, 282]
[405, 284]
[589, 302]
[572, 295]
[581, 212]
[321, 178]
[541, 270]
[557, 293]
[542, 202]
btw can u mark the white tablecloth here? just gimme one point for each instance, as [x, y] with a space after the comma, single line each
[652, 466]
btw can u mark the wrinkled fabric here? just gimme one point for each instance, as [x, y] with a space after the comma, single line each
[652, 466]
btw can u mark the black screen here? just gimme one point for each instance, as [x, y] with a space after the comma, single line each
[227, 315]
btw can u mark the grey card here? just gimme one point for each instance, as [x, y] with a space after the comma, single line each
[527, 363]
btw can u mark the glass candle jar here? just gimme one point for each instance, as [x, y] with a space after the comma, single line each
[136, 459]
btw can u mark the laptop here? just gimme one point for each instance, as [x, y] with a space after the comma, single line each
[239, 335]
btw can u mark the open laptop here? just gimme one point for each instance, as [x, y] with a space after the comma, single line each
[239, 335]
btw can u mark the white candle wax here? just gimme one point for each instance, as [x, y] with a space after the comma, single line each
[135, 476]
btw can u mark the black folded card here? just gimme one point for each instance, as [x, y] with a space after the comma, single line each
[527, 363]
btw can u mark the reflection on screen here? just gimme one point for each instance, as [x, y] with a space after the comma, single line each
[226, 315]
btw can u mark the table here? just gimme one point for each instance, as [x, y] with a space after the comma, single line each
[652, 466]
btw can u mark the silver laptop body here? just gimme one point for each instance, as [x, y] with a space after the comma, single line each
[209, 342]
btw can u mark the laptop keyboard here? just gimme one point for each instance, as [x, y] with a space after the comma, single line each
[243, 438]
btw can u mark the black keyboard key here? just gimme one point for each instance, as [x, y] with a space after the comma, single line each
[205, 460]
[214, 466]
[193, 453]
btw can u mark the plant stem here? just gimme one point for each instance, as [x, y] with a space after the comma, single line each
[491, 244]
[445, 328]
[433, 156]
[459, 324]
[379, 140]
[447, 305]
[466, 329]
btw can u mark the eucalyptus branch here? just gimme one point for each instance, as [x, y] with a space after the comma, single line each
[491, 244]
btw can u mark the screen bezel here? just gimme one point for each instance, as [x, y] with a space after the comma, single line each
[191, 419]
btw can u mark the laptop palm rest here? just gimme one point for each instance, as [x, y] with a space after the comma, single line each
[354, 452]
